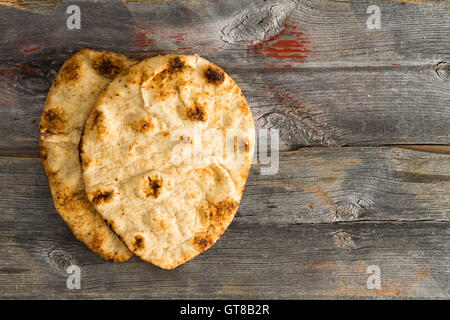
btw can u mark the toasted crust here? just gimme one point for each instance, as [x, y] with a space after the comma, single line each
[167, 209]
[77, 86]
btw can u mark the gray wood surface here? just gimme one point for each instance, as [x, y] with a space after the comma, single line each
[267, 261]
[334, 33]
[342, 94]
[310, 68]
[310, 231]
[313, 185]
[310, 107]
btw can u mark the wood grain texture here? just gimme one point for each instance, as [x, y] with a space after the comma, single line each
[323, 185]
[444, 149]
[309, 68]
[313, 32]
[307, 261]
[310, 107]
[313, 185]
[312, 103]
[341, 95]
[310, 231]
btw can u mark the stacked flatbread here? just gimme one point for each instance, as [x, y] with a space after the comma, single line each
[149, 157]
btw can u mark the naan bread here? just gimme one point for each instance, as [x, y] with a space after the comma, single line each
[152, 156]
[74, 91]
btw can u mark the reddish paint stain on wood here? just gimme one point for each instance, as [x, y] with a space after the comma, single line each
[158, 40]
[27, 49]
[283, 97]
[9, 73]
[15, 69]
[143, 39]
[286, 99]
[26, 70]
[287, 44]
[270, 66]
[145, 51]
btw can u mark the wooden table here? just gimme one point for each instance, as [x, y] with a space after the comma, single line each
[364, 172]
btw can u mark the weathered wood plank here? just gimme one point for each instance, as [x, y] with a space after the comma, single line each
[352, 107]
[309, 68]
[350, 184]
[310, 107]
[426, 148]
[316, 101]
[239, 33]
[308, 261]
[321, 185]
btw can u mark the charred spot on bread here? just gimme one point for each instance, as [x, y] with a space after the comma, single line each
[175, 64]
[226, 207]
[138, 243]
[97, 123]
[143, 125]
[52, 120]
[97, 116]
[101, 197]
[107, 65]
[203, 241]
[196, 113]
[61, 197]
[153, 187]
[110, 223]
[214, 75]
[71, 69]
[223, 210]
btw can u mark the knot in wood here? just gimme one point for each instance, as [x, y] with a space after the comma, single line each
[61, 260]
[260, 22]
[442, 70]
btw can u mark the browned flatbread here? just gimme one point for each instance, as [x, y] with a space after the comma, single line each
[75, 89]
[165, 205]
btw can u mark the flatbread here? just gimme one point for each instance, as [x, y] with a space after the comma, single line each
[165, 194]
[74, 91]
